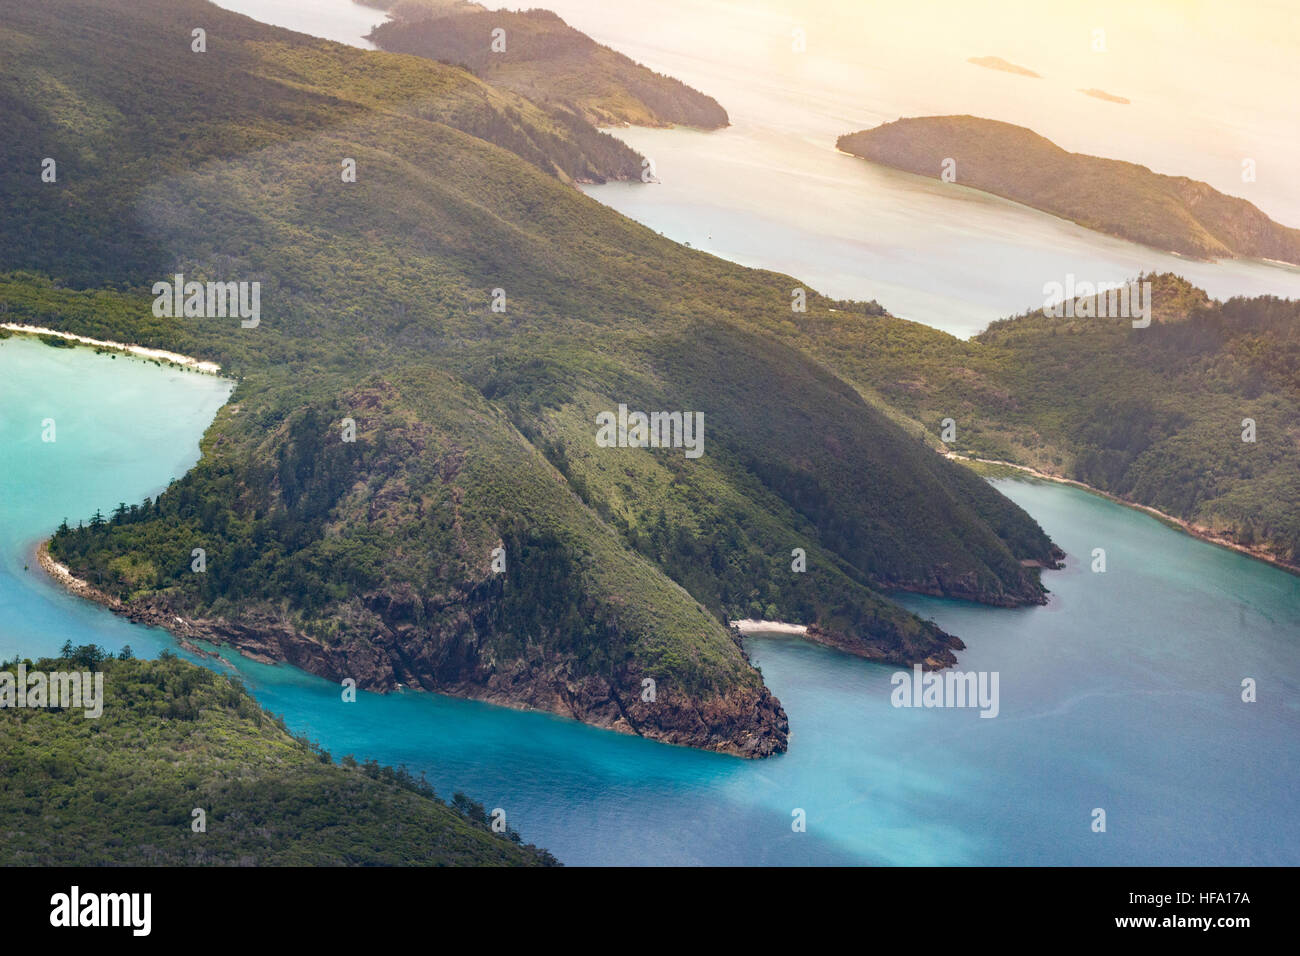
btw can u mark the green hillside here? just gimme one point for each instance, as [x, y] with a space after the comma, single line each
[475, 429]
[549, 62]
[120, 789]
[1169, 213]
[117, 126]
[1152, 415]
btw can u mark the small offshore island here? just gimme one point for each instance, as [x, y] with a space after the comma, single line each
[1003, 66]
[1121, 199]
[1108, 97]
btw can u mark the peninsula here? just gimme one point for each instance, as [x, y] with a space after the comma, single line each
[406, 485]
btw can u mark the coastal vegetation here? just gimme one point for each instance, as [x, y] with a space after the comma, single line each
[1169, 213]
[538, 55]
[1155, 416]
[121, 789]
[473, 426]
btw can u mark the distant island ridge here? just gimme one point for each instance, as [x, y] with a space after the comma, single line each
[1119, 198]
[536, 54]
[1103, 95]
[1004, 66]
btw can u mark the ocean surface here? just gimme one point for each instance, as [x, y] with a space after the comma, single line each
[1123, 693]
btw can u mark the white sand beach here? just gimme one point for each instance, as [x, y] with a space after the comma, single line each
[750, 626]
[161, 355]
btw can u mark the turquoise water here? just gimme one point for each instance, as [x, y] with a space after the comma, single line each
[1123, 693]
[123, 428]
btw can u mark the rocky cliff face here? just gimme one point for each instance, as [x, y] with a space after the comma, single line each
[747, 722]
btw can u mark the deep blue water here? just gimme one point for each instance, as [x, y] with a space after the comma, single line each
[1123, 693]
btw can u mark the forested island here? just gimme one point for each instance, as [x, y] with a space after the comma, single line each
[1169, 213]
[1155, 416]
[536, 54]
[175, 738]
[377, 558]
[1003, 66]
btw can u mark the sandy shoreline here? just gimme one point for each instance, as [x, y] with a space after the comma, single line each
[1203, 534]
[751, 626]
[160, 355]
[67, 580]
[78, 587]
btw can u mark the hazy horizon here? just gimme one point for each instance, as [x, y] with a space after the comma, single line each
[1211, 84]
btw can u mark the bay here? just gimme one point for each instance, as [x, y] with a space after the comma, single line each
[1123, 693]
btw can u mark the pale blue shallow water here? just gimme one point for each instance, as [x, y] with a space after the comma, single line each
[1123, 693]
[937, 253]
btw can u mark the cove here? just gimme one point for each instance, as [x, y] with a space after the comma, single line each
[1123, 692]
